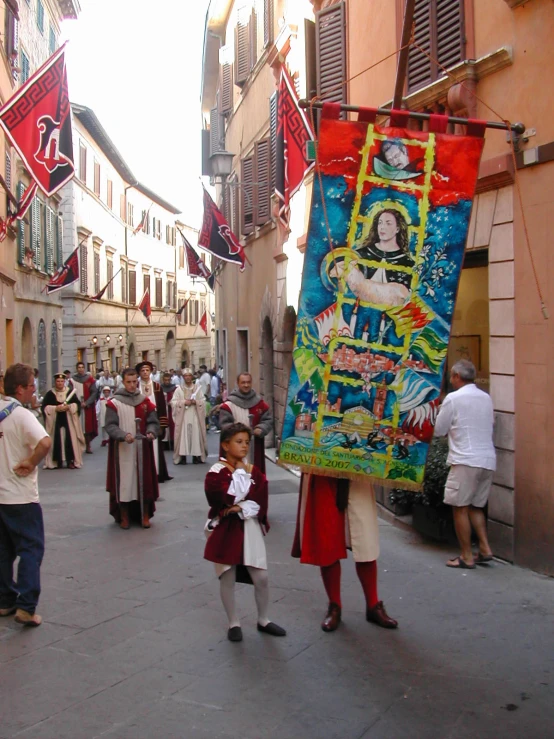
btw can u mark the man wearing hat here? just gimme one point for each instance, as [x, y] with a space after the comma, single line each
[61, 410]
[153, 391]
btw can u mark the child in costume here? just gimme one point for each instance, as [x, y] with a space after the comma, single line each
[101, 412]
[237, 522]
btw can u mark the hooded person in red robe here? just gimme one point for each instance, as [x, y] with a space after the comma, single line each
[152, 390]
[244, 405]
[123, 484]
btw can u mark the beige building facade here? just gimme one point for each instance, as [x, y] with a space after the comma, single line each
[128, 240]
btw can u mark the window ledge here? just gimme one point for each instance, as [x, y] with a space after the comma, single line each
[515, 3]
[470, 69]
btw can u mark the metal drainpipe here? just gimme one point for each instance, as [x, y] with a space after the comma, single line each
[129, 187]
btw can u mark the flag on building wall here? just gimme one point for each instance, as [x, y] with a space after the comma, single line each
[216, 235]
[179, 312]
[196, 267]
[37, 120]
[22, 207]
[143, 222]
[66, 275]
[204, 323]
[293, 133]
[144, 305]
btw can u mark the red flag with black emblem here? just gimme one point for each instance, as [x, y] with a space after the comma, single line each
[216, 235]
[66, 275]
[204, 323]
[144, 305]
[196, 267]
[37, 120]
[293, 133]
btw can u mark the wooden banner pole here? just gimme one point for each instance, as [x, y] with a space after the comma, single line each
[402, 67]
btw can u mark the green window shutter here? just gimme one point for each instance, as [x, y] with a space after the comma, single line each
[20, 228]
[49, 241]
[59, 241]
[35, 232]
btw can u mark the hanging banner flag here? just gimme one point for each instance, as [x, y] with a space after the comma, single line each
[143, 222]
[179, 312]
[216, 235]
[293, 133]
[144, 305]
[377, 298]
[196, 267]
[66, 275]
[204, 323]
[37, 120]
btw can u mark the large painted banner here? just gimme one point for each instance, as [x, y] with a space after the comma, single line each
[376, 303]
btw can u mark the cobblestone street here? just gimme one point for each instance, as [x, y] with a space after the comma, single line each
[134, 639]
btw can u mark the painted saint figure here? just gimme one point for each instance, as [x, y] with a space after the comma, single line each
[61, 409]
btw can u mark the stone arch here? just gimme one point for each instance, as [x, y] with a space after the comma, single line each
[42, 347]
[267, 377]
[170, 345]
[283, 363]
[27, 343]
[54, 350]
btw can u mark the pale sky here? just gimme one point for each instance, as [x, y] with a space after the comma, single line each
[137, 64]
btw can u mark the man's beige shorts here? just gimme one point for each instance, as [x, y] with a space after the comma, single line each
[468, 486]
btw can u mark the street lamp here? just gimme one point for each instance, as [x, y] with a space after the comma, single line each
[222, 164]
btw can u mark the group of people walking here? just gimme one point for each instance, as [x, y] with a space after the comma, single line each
[334, 515]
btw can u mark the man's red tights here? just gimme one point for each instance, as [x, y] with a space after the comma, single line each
[367, 574]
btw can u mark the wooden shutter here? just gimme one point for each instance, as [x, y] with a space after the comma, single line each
[217, 132]
[268, 22]
[225, 97]
[82, 163]
[132, 287]
[450, 33]
[59, 241]
[146, 285]
[253, 37]
[273, 142]
[97, 178]
[439, 29]
[124, 283]
[242, 47]
[96, 272]
[109, 278]
[226, 195]
[109, 195]
[247, 195]
[83, 253]
[50, 241]
[20, 228]
[182, 257]
[8, 169]
[331, 53]
[262, 177]
[35, 232]
[159, 303]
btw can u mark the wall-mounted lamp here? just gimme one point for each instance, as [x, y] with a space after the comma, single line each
[94, 340]
[120, 338]
[108, 339]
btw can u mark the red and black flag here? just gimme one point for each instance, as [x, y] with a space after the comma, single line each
[37, 120]
[196, 267]
[293, 133]
[144, 305]
[66, 275]
[182, 308]
[100, 295]
[216, 235]
[143, 222]
[204, 323]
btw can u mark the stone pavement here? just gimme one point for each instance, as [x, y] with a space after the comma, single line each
[134, 639]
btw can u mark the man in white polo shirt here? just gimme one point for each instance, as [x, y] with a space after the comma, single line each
[467, 416]
[23, 445]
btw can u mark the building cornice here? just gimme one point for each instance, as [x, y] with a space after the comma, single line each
[468, 70]
[69, 9]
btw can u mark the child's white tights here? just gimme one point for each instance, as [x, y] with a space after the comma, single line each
[261, 594]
